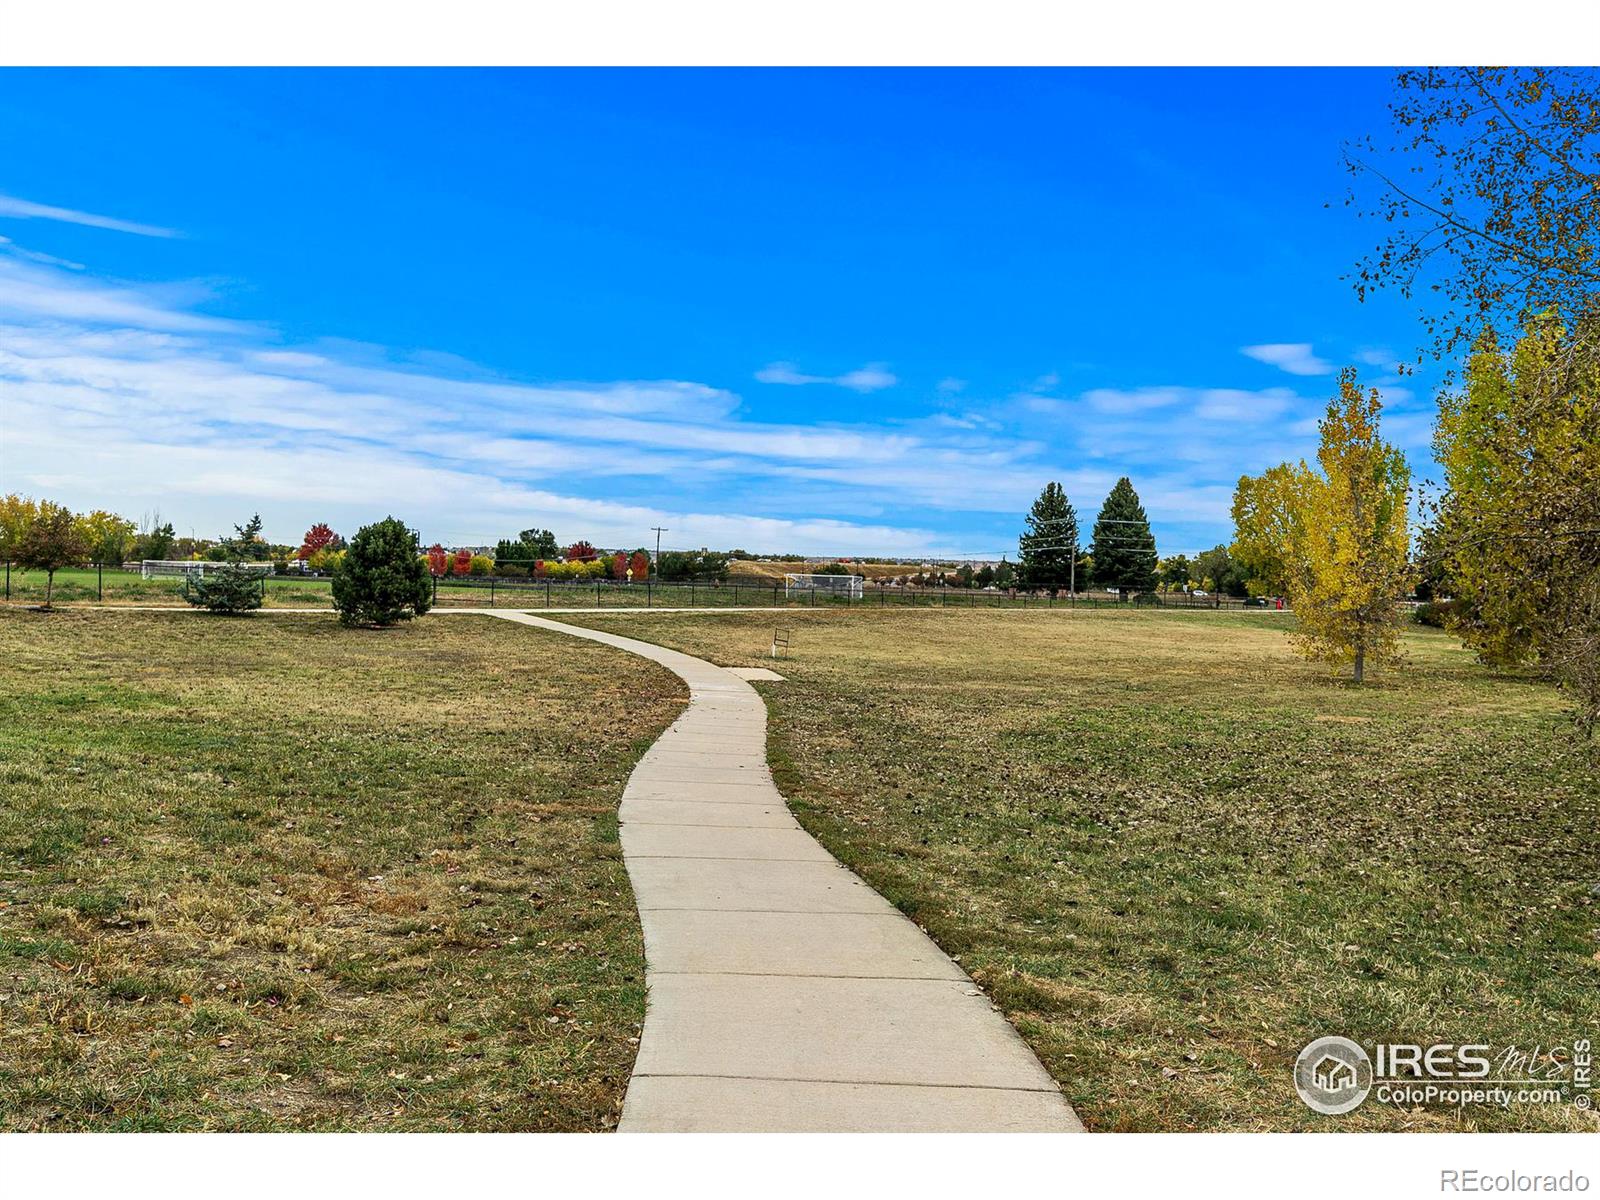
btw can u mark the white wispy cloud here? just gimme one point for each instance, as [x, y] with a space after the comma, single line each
[10, 247]
[133, 397]
[129, 397]
[1297, 358]
[27, 290]
[871, 378]
[15, 206]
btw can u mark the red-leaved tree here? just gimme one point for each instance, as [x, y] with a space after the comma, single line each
[463, 562]
[640, 565]
[318, 537]
[581, 552]
[540, 571]
[438, 561]
[619, 566]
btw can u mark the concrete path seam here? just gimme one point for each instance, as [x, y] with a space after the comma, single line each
[773, 1006]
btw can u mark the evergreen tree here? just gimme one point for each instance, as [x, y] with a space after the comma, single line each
[1049, 542]
[541, 543]
[1124, 548]
[231, 589]
[382, 577]
[157, 543]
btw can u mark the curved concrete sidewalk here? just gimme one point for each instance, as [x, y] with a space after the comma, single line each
[785, 994]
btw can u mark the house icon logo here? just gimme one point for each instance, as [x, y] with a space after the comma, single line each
[1333, 1075]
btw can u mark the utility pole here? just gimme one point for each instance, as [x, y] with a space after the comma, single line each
[656, 562]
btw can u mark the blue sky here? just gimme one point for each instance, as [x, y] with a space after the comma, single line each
[825, 311]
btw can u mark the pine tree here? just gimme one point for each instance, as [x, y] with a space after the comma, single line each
[1050, 541]
[382, 577]
[231, 589]
[1124, 549]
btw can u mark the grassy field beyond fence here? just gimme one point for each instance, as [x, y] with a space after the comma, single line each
[118, 586]
[1174, 853]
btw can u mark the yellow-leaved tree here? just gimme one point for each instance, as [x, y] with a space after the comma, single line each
[1520, 522]
[1334, 541]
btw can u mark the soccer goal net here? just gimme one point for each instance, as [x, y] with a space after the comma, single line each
[154, 568]
[847, 587]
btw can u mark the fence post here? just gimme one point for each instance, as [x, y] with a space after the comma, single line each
[547, 593]
[774, 595]
[8, 579]
[597, 593]
[491, 591]
[100, 581]
[263, 589]
[691, 591]
[435, 592]
[649, 598]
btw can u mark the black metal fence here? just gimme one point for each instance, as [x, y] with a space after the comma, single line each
[103, 582]
[515, 593]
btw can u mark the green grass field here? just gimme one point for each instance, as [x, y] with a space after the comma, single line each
[85, 585]
[1174, 853]
[267, 873]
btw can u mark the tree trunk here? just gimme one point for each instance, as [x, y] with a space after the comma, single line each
[1361, 662]
[49, 586]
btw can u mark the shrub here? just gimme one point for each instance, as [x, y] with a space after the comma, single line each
[229, 590]
[679, 565]
[382, 578]
[1436, 613]
[480, 564]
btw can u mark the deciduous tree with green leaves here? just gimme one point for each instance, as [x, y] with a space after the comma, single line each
[1269, 529]
[17, 512]
[1488, 195]
[50, 539]
[1175, 571]
[108, 536]
[1218, 571]
[1520, 521]
[1335, 542]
